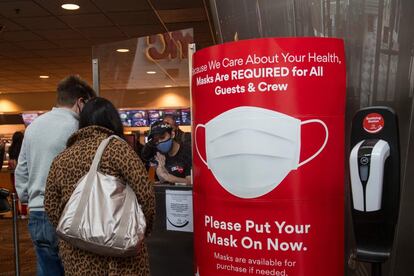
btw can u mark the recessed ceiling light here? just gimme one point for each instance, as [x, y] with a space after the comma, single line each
[122, 50]
[44, 77]
[70, 7]
[151, 72]
[168, 85]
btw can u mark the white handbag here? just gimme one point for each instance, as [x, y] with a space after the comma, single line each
[103, 215]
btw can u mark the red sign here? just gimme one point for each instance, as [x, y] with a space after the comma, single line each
[268, 159]
[373, 123]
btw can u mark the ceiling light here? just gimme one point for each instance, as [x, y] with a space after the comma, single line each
[168, 85]
[122, 50]
[151, 72]
[44, 77]
[70, 7]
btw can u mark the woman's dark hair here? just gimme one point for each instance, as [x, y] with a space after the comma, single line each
[16, 145]
[101, 112]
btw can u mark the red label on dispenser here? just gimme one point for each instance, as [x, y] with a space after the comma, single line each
[373, 123]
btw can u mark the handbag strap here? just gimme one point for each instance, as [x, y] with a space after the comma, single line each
[123, 223]
[99, 153]
[88, 188]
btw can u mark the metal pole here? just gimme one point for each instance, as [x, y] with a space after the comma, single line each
[15, 235]
[216, 20]
[376, 269]
[191, 51]
[96, 76]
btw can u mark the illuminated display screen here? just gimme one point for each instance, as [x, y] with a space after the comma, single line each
[124, 118]
[185, 116]
[155, 115]
[139, 118]
[142, 118]
[28, 118]
[175, 113]
[134, 118]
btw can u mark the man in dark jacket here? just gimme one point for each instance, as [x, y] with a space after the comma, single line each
[180, 136]
[2, 151]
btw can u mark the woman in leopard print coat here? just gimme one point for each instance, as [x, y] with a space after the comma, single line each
[118, 159]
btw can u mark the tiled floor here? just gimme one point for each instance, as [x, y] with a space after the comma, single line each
[27, 254]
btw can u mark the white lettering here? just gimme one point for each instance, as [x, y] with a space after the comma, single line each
[229, 90]
[254, 59]
[199, 69]
[268, 72]
[284, 246]
[228, 241]
[207, 79]
[263, 86]
[232, 62]
[292, 229]
[209, 221]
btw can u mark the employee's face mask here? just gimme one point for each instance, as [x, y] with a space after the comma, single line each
[164, 147]
[250, 150]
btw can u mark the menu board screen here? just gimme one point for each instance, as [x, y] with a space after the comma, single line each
[155, 115]
[134, 118]
[28, 118]
[124, 118]
[142, 118]
[185, 116]
[175, 113]
[139, 118]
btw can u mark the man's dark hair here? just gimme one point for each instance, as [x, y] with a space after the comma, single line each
[101, 112]
[173, 118]
[71, 88]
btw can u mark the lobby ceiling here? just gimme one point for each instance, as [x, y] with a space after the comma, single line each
[38, 37]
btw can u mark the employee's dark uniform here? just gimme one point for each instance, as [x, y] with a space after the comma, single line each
[180, 164]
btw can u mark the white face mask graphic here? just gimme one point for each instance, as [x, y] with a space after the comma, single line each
[250, 150]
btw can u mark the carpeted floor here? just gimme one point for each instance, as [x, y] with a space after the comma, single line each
[27, 254]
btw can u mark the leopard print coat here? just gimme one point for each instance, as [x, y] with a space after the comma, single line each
[120, 160]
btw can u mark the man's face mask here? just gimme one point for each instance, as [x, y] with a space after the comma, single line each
[164, 147]
[250, 150]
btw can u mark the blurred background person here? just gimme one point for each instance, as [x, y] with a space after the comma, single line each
[139, 147]
[180, 136]
[14, 151]
[2, 152]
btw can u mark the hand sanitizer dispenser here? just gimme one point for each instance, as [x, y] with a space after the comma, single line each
[374, 165]
[366, 165]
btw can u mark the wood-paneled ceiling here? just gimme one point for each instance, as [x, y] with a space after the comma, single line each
[38, 37]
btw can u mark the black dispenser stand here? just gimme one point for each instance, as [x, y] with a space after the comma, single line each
[375, 164]
[376, 269]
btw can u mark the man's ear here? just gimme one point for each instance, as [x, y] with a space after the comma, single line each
[78, 102]
[172, 134]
